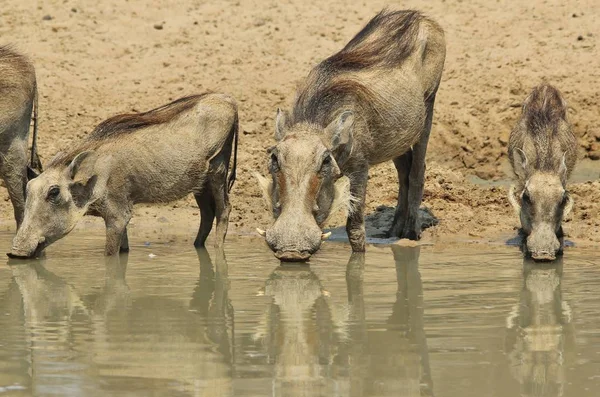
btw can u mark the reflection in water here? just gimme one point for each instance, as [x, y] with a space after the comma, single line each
[319, 349]
[149, 343]
[539, 327]
[392, 360]
[299, 332]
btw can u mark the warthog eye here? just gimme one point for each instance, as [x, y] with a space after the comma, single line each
[326, 162]
[274, 165]
[53, 193]
[526, 197]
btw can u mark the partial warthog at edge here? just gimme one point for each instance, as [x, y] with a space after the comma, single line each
[371, 102]
[542, 150]
[18, 100]
[158, 156]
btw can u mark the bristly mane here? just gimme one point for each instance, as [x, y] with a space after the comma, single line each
[7, 51]
[544, 110]
[127, 123]
[385, 42]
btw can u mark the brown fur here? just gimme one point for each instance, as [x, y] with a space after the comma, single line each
[387, 40]
[114, 170]
[18, 101]
[369, 103]
[127, 123]
[542, 150]
[123, 124]
[544, 132]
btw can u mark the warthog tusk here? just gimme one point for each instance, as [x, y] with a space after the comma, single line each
[325, 236]
[261, 232]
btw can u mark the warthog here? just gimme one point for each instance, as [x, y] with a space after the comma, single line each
[369, 103]
[18, 100]
[158, 156]
[542, 150]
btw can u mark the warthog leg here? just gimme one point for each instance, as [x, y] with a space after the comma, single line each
[213, 202]
[124, 247]
[402, 164]
[206, 203]
[13, 166]
[355, 225]
[416, 178]
[116, 228]
[222, 210]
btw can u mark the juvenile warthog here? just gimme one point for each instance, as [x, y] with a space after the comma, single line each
[542, 150]
[158, 156]
[369, 103]
[18, 99]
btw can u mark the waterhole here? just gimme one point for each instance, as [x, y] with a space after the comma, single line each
[397, 321]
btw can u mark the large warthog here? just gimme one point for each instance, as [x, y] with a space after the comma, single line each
[158, 156]
[369, 103]
[18, 100]
[542, 150]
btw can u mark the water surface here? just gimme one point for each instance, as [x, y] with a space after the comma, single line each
[170, 320]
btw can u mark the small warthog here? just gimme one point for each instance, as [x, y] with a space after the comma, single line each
[18, 99]
[371, 102]
[158, 156]
[542, 150]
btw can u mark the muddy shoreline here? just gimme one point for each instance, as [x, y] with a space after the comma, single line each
[96, 60]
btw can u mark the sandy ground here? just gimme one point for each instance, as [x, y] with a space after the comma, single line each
[95, 59]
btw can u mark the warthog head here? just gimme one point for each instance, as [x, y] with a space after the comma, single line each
[306, 183]
[56, 200]
[541, 201]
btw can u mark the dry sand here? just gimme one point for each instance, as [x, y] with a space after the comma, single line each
[95, 59]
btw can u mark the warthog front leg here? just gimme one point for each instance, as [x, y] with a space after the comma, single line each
[13, 165]
[416, 179]
[402, 164]
[116, 231]
[355, 225]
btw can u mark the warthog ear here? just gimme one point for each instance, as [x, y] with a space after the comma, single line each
[32, 173]
[521, 163]
[82, 166]
[281, 123]
[82, 192]
[340, 134]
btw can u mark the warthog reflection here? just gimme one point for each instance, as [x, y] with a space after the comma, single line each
[539, 331]
[101, 340]
[319, 348]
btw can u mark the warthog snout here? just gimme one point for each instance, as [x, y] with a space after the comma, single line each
[22, 249]
[543, 244]
[292, 245]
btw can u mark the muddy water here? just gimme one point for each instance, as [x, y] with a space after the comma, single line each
[170, 320]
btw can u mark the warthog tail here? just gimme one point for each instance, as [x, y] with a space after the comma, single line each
[35, 163]
[235, 136]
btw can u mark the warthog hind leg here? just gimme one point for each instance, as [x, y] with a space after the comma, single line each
[206, 203]
[13, 166]
[402, 164]
[416, 179]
